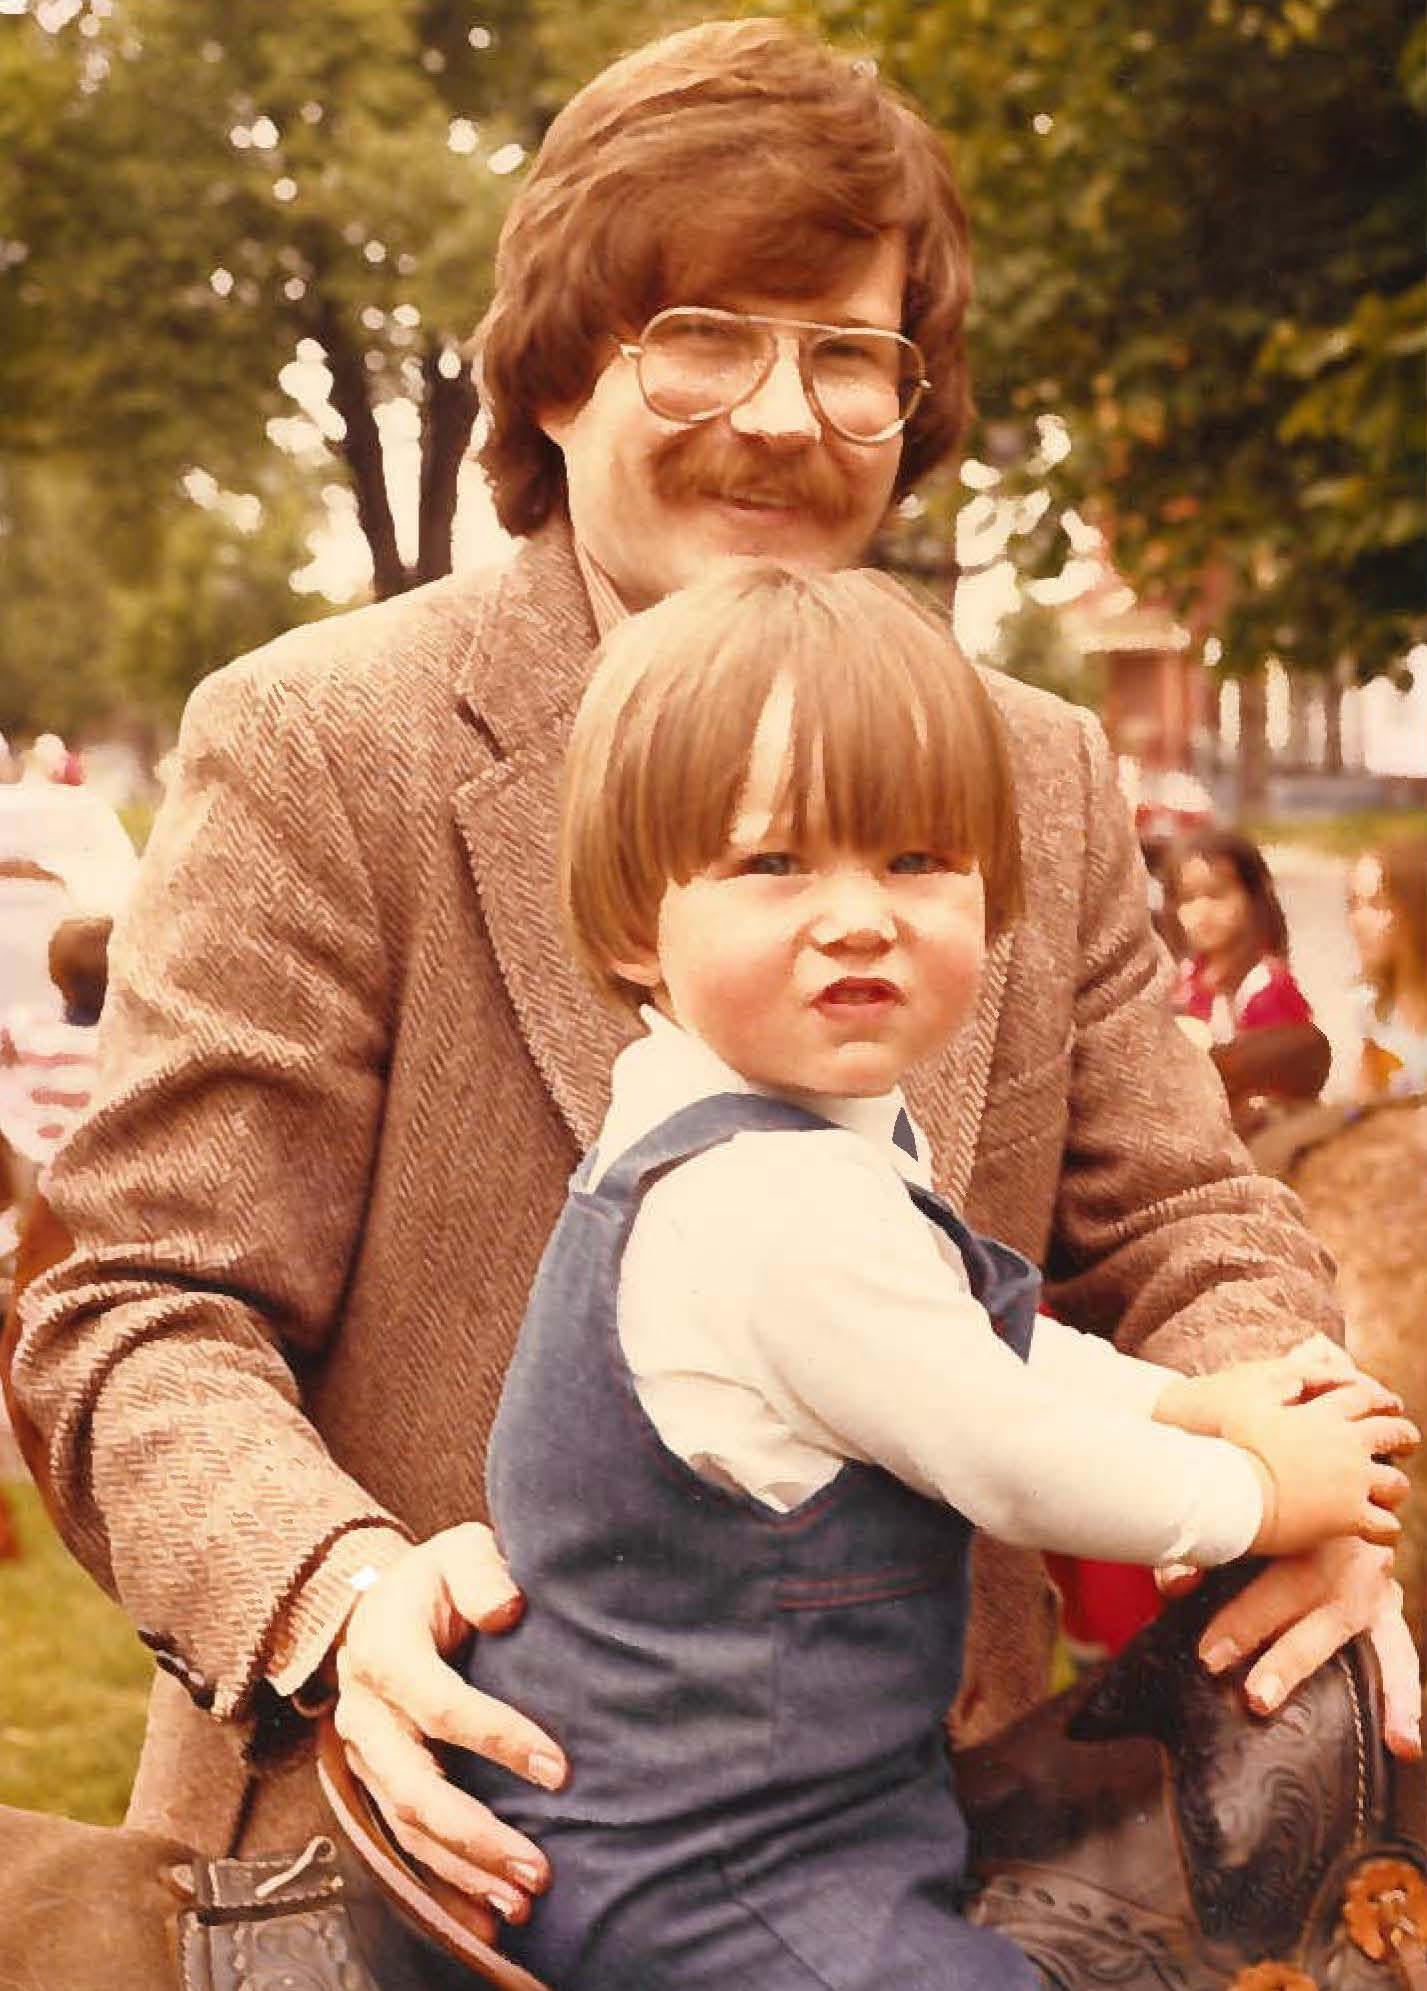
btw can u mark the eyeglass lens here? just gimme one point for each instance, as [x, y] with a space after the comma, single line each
[695, 365]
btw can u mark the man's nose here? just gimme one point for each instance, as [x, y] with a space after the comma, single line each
[853, 912]
[780, 411]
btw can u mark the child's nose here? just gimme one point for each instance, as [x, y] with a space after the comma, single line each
[854, 911]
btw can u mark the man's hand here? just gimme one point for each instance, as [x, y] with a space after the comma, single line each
[1299, 1611]
[396, 1694]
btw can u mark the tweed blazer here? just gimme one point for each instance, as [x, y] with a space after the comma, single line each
[347, 1067]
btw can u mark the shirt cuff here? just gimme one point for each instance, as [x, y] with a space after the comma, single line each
[315, 1615]
[1228, 1509]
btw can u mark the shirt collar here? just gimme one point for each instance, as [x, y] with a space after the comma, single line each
[670, 1068]
[605, 604]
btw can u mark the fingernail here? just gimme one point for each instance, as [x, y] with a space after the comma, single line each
[1220, 1656]
[505, 1903]
[547, 1770]
[526, 1873]
[1268, 1692]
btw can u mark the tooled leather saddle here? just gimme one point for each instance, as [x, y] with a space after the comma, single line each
[1145, 1832]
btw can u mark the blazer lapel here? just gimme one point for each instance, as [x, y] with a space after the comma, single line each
[519, 691]
[949, 1098]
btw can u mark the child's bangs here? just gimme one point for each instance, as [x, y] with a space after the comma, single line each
[895, 746]
[695, 766]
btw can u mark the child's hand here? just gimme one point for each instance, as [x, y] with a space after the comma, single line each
[1203, 1403]
[1325, 1467]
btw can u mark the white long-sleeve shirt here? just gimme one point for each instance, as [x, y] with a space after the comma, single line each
[784, 1308]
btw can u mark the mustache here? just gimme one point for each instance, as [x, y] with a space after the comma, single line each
[703, 463]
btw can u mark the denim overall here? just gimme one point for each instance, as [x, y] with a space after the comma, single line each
[752, 1702]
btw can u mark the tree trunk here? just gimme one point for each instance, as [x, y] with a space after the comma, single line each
[1302, 691]
[448, 414]
[362, 450]
[1333, 723]
[1253, 741]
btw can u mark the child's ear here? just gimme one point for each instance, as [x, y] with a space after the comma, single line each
[641, 968]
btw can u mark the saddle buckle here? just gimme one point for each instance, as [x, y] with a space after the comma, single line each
[1385, 1913]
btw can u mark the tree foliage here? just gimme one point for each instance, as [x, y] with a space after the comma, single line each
[1200, 240]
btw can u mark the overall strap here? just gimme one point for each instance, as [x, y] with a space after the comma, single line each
[691, 1131]
[1005, 1282]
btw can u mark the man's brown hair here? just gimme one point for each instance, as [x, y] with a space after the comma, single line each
[739, 155]
[895, 746]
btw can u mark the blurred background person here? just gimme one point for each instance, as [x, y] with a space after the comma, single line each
[47, 1064]
[1236, 991]
[1387, 916]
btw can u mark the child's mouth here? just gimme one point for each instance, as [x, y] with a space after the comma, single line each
[858, 992]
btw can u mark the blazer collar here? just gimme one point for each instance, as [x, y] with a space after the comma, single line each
[530, 655]
[518, 688]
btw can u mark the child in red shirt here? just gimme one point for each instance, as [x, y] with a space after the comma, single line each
[1236, 984]
[1236, 992]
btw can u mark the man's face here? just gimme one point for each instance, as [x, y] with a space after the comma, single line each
[655, 503]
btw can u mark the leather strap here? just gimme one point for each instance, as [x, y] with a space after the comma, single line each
[423, 1901]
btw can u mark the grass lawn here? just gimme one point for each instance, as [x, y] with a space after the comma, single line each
[1338, 836]
[73, 1680]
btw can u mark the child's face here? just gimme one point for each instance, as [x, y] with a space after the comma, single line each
[1212, 905]
[813, 968]
[1370, 919]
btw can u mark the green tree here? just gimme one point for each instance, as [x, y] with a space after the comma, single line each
[82, 650]
[193, 191]
[57, 664]
[1199, 233]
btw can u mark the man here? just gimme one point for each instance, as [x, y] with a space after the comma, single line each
[349, 1065]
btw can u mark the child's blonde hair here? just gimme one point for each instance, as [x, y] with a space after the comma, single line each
[895, 746]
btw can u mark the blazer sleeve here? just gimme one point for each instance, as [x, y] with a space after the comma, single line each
[1164, 1236]
[214, 1194]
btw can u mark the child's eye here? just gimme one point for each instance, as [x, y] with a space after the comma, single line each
[923, 862]
[769, 864]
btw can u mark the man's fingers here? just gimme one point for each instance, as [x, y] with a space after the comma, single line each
[1297, 1652]
[1300, 1610]
[1275, 1597]
[410, 1675]
[420, 1803]
[464, 1886]
[1401, 1680]
[477, 1578]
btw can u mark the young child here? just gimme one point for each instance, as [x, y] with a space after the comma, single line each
[769, 1382]
[1387, 914]
[1236, 984]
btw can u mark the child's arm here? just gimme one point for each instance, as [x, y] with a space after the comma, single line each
[861, 1340]
[1206, 1403]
